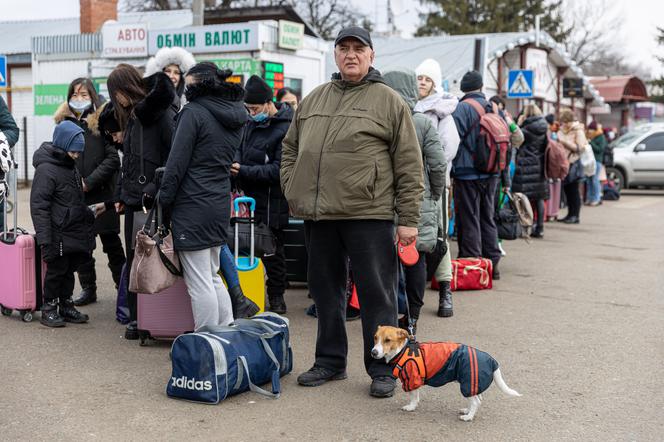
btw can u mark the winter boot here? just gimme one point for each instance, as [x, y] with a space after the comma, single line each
[50, 316]
[277, 304]
[88, 296]
[445, 300]
[70, 314]
[243, 307]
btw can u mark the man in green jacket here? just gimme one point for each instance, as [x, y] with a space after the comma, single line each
[9, 133]
[351, 163]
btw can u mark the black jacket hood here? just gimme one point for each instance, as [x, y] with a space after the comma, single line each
[536, 125]
[160, 94]
[47, 153]
[373, 76]
[222, 100]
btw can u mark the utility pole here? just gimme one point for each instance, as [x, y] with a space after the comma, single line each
[392, 27]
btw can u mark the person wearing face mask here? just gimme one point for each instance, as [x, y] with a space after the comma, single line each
[257, 166]
[98, 165]
[174, 62]
[63, 222]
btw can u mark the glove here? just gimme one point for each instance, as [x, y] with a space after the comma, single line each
[49, 253]
[149, 192]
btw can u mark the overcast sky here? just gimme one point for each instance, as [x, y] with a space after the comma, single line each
[638, 36]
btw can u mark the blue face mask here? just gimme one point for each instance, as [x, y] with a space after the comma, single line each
[259, 118]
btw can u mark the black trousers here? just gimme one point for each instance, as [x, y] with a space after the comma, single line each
[416, 281]
[539, 205]
[370, 246]
[112, 247]
[275, 267]
[129, 226]
[573, 197]
[59, 279]
[477, 235]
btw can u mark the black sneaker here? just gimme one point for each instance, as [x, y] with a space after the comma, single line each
[70, 314]
[496, 273]
[382, 386]
[131, 333]
[50, 316]
[277, 304]
[87, 296]
[318, 376]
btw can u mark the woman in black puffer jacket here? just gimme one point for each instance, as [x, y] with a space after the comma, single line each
[529, 177]
[143, 110]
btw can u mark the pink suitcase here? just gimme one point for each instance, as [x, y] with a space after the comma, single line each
[165, 315]
[22, 270]
[553, 203]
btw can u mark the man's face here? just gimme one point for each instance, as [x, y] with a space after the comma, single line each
[353, 59]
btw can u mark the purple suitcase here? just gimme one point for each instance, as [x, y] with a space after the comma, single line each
[22, 270]
[165, 315]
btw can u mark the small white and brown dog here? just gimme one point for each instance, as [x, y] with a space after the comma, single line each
[436, 364]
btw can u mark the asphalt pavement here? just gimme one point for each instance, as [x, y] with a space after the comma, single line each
[576, 322]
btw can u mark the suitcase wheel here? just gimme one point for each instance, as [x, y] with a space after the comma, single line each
[5, 311]
[26, 316]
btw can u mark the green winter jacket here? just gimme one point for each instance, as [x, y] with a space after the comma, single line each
[404, 82]
[598, 143]
[351, 152]
[7, 124]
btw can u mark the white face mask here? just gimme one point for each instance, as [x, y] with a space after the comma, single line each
[80, 106]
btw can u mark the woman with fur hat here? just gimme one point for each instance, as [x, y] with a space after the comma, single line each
[174, 62]
[98, 165]
[196, 186]
[143, 109]
[438, 107]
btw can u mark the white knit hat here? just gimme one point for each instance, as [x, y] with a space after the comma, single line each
[430, 68]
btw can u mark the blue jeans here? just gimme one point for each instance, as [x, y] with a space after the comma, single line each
[228, 269]
[593, 185]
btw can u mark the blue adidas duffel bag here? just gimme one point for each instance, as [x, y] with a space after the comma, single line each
[217, 362]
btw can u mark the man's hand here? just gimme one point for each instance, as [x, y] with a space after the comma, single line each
[406, 235]
[85, 186]
[119, 207]
[235, 169]
[49, 253]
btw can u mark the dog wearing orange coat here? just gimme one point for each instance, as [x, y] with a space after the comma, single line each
[436, 364]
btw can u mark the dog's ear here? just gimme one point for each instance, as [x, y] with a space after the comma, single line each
[403, 333]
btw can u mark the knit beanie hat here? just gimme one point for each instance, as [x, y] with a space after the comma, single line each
[68, 136]
[430, 68]
[258, 91]
[471, 81]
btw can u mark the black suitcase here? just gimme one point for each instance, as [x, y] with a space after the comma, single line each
[296, 251]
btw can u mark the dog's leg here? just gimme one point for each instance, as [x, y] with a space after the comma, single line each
[474, 405]
[414, 400]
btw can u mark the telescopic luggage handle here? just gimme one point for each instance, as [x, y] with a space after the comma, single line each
[252, 207]
[11, 179]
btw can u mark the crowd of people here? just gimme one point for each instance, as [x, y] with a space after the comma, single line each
[367, 160]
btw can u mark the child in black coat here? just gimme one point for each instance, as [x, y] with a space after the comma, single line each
[62, 220]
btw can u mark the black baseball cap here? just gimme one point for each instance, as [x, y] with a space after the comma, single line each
[354, 32]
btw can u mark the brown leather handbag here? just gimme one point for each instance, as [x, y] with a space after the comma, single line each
[156, 265]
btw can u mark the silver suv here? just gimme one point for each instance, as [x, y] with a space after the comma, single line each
[638, 157]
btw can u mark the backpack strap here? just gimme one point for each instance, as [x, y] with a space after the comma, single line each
[476, 105]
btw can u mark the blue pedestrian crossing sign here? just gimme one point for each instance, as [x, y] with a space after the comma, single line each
[3, 71]
[520, 83]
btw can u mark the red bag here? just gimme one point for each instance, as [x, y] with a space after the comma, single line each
[556, 164]
[490, 154]
[471, 274]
